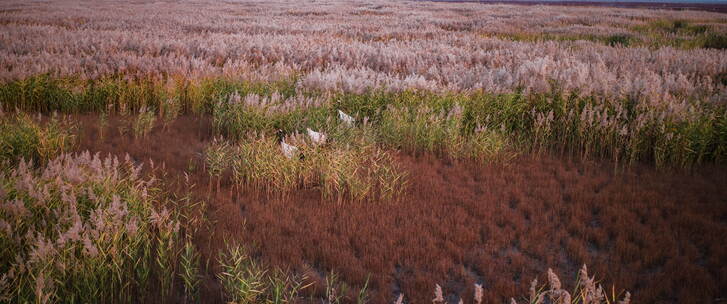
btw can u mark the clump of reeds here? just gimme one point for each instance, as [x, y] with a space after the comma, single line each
[237, 115]
[284, 287]
[189, 272]
[626, 131]
[218, 158]
[169, 110]
[340, 171]
[336, 289]
[143, 123]
[418, 128]
[83, 228]
[586, 291]
[22, 136]
[360, 173]
[485, 144]
[103, 123]
[170, 95]
[349, 167]
[259, 163]
[242, 278]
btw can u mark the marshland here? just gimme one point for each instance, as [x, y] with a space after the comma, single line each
[361, 152]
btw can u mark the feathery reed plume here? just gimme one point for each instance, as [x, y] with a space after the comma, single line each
[586, 291]
[438, 297]
[478, 294]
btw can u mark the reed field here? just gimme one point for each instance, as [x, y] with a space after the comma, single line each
[361, 152]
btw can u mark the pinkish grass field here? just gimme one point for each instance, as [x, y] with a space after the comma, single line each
[161, 152]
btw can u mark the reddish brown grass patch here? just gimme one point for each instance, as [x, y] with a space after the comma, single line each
[658, 234]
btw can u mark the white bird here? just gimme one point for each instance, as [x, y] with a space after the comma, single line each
[288, 150]
[318, 138]
[348, 120]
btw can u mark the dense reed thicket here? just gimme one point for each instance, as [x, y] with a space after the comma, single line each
[626, 130]
[396, 46]
[23, 137]
[629, 85]
[84, 228]
[349, 167]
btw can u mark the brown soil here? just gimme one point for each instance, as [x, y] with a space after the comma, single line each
[658, 234]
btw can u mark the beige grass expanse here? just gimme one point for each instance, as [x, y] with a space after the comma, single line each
[356, 45]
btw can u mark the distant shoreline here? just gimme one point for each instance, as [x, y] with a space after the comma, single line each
[709, 7]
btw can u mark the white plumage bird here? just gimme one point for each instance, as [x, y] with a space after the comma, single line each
[347, 119]
[289, 151]
[317, 138]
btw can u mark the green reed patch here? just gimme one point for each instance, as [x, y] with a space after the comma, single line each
[490, 126]
[237, 115]
[244, 280]
[677, 26]
[21, 136]
[343, 171]
[619, 40]
[260, 163]
[658, 33]
[682, 34]
[360, 173]
[626, 130]
[715, 41]
[168, 96]
[143, 123]
[190, 272]
[421, 128]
